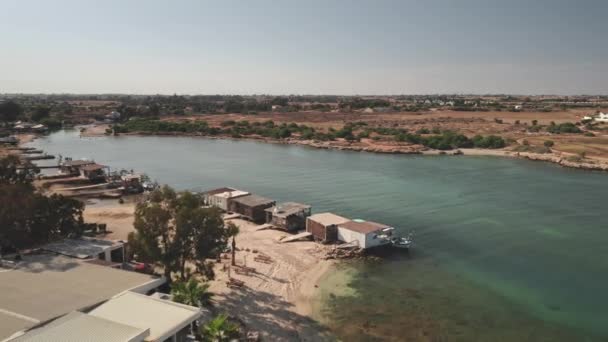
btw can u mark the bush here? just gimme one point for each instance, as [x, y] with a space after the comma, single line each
[548, 143]
[567, 127]
[589, 134]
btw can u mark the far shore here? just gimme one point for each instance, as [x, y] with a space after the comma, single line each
[556, 157]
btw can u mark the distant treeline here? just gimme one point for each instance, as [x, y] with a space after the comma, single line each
[442, 140]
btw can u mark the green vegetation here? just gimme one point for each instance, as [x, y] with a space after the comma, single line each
[567, 127]
[354, 131]
[28, 218]
[173, 229]
[191, 293]
[549, 143]
[10, 111]
[220, 329]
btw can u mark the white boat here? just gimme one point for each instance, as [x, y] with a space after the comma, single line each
[402, 242]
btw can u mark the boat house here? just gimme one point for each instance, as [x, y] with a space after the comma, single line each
[324, 226]
[70, 166]
[365, 234]
[222, 196]
[290, 216]
[252, 207]
[94, 172]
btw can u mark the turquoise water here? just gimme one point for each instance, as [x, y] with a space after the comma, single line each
[515, 246]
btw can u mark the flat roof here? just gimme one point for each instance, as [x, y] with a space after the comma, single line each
[10, 324]
[45, 286]
[363, 226]
[328, 219]
[93, 167]
[254, 200]
[77, 162]
[77, 327]
[218, 191]
[232, 194]
[288, 208]
[82, 248]
[163, 317]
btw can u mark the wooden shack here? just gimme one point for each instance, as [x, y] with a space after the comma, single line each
[324, 226]
[94, 172]
[251, 207]
[72, 167]
[290, 216]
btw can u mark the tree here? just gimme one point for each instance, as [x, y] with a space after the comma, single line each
[41, 112]
[191, 293]
[10, 111]
[220, 329]
[173, 229]
[232, 231]
[28, 218]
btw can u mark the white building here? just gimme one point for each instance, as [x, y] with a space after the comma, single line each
[365, 234]
[602, 117]
[220, 197]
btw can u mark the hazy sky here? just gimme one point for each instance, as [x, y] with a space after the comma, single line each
[304, 47]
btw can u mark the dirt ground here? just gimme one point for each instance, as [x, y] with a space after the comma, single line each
[276, 297]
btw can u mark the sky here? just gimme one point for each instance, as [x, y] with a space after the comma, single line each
[338, 47]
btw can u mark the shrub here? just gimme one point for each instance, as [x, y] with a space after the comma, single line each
[548, 143]
[589, 134]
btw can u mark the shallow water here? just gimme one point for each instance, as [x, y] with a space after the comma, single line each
[505, 249]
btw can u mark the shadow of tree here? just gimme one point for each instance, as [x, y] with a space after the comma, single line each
[271, 315]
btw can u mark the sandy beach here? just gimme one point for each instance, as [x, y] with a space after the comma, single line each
[276, 298]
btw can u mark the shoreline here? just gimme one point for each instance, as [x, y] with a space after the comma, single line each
[555, 157]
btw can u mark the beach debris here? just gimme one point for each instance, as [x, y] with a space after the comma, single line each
[253, 336]
[232, 282]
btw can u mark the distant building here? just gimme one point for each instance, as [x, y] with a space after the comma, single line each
[289, 216]
[222, 196]
[252, 207]
[602, 117]
[518, 107]
[364, 234]
[324, 226]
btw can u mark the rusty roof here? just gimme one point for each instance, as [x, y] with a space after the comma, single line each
[254, 200]
[363, 226]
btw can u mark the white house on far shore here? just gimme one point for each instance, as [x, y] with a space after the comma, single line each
[600, 117]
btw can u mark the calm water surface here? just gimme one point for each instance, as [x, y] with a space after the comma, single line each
[505, 249]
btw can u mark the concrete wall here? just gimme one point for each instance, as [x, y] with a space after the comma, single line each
[346, 235]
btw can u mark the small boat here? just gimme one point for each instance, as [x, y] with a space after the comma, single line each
[402, 242]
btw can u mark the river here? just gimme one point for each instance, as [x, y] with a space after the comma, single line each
[505, 249]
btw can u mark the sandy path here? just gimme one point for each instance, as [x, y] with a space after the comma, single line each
[276, 297]
[118, 217]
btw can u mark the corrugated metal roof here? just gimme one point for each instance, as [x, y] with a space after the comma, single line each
[79, 327]
[163, 317]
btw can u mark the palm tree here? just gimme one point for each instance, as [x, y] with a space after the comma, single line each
[233, 231]
[219, 329]
[192, 293]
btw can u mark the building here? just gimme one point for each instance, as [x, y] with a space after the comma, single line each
[44, 286]
[364, 234]
[289, 216]
[89, 248]
[602, 117]
[252, 207]
[324, 226]
[94, 172]
[165, 319]
[221, 197]
[70, 166]
[77, 327]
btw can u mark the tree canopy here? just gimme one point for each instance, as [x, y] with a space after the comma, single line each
[28, 218]
[174, 229]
